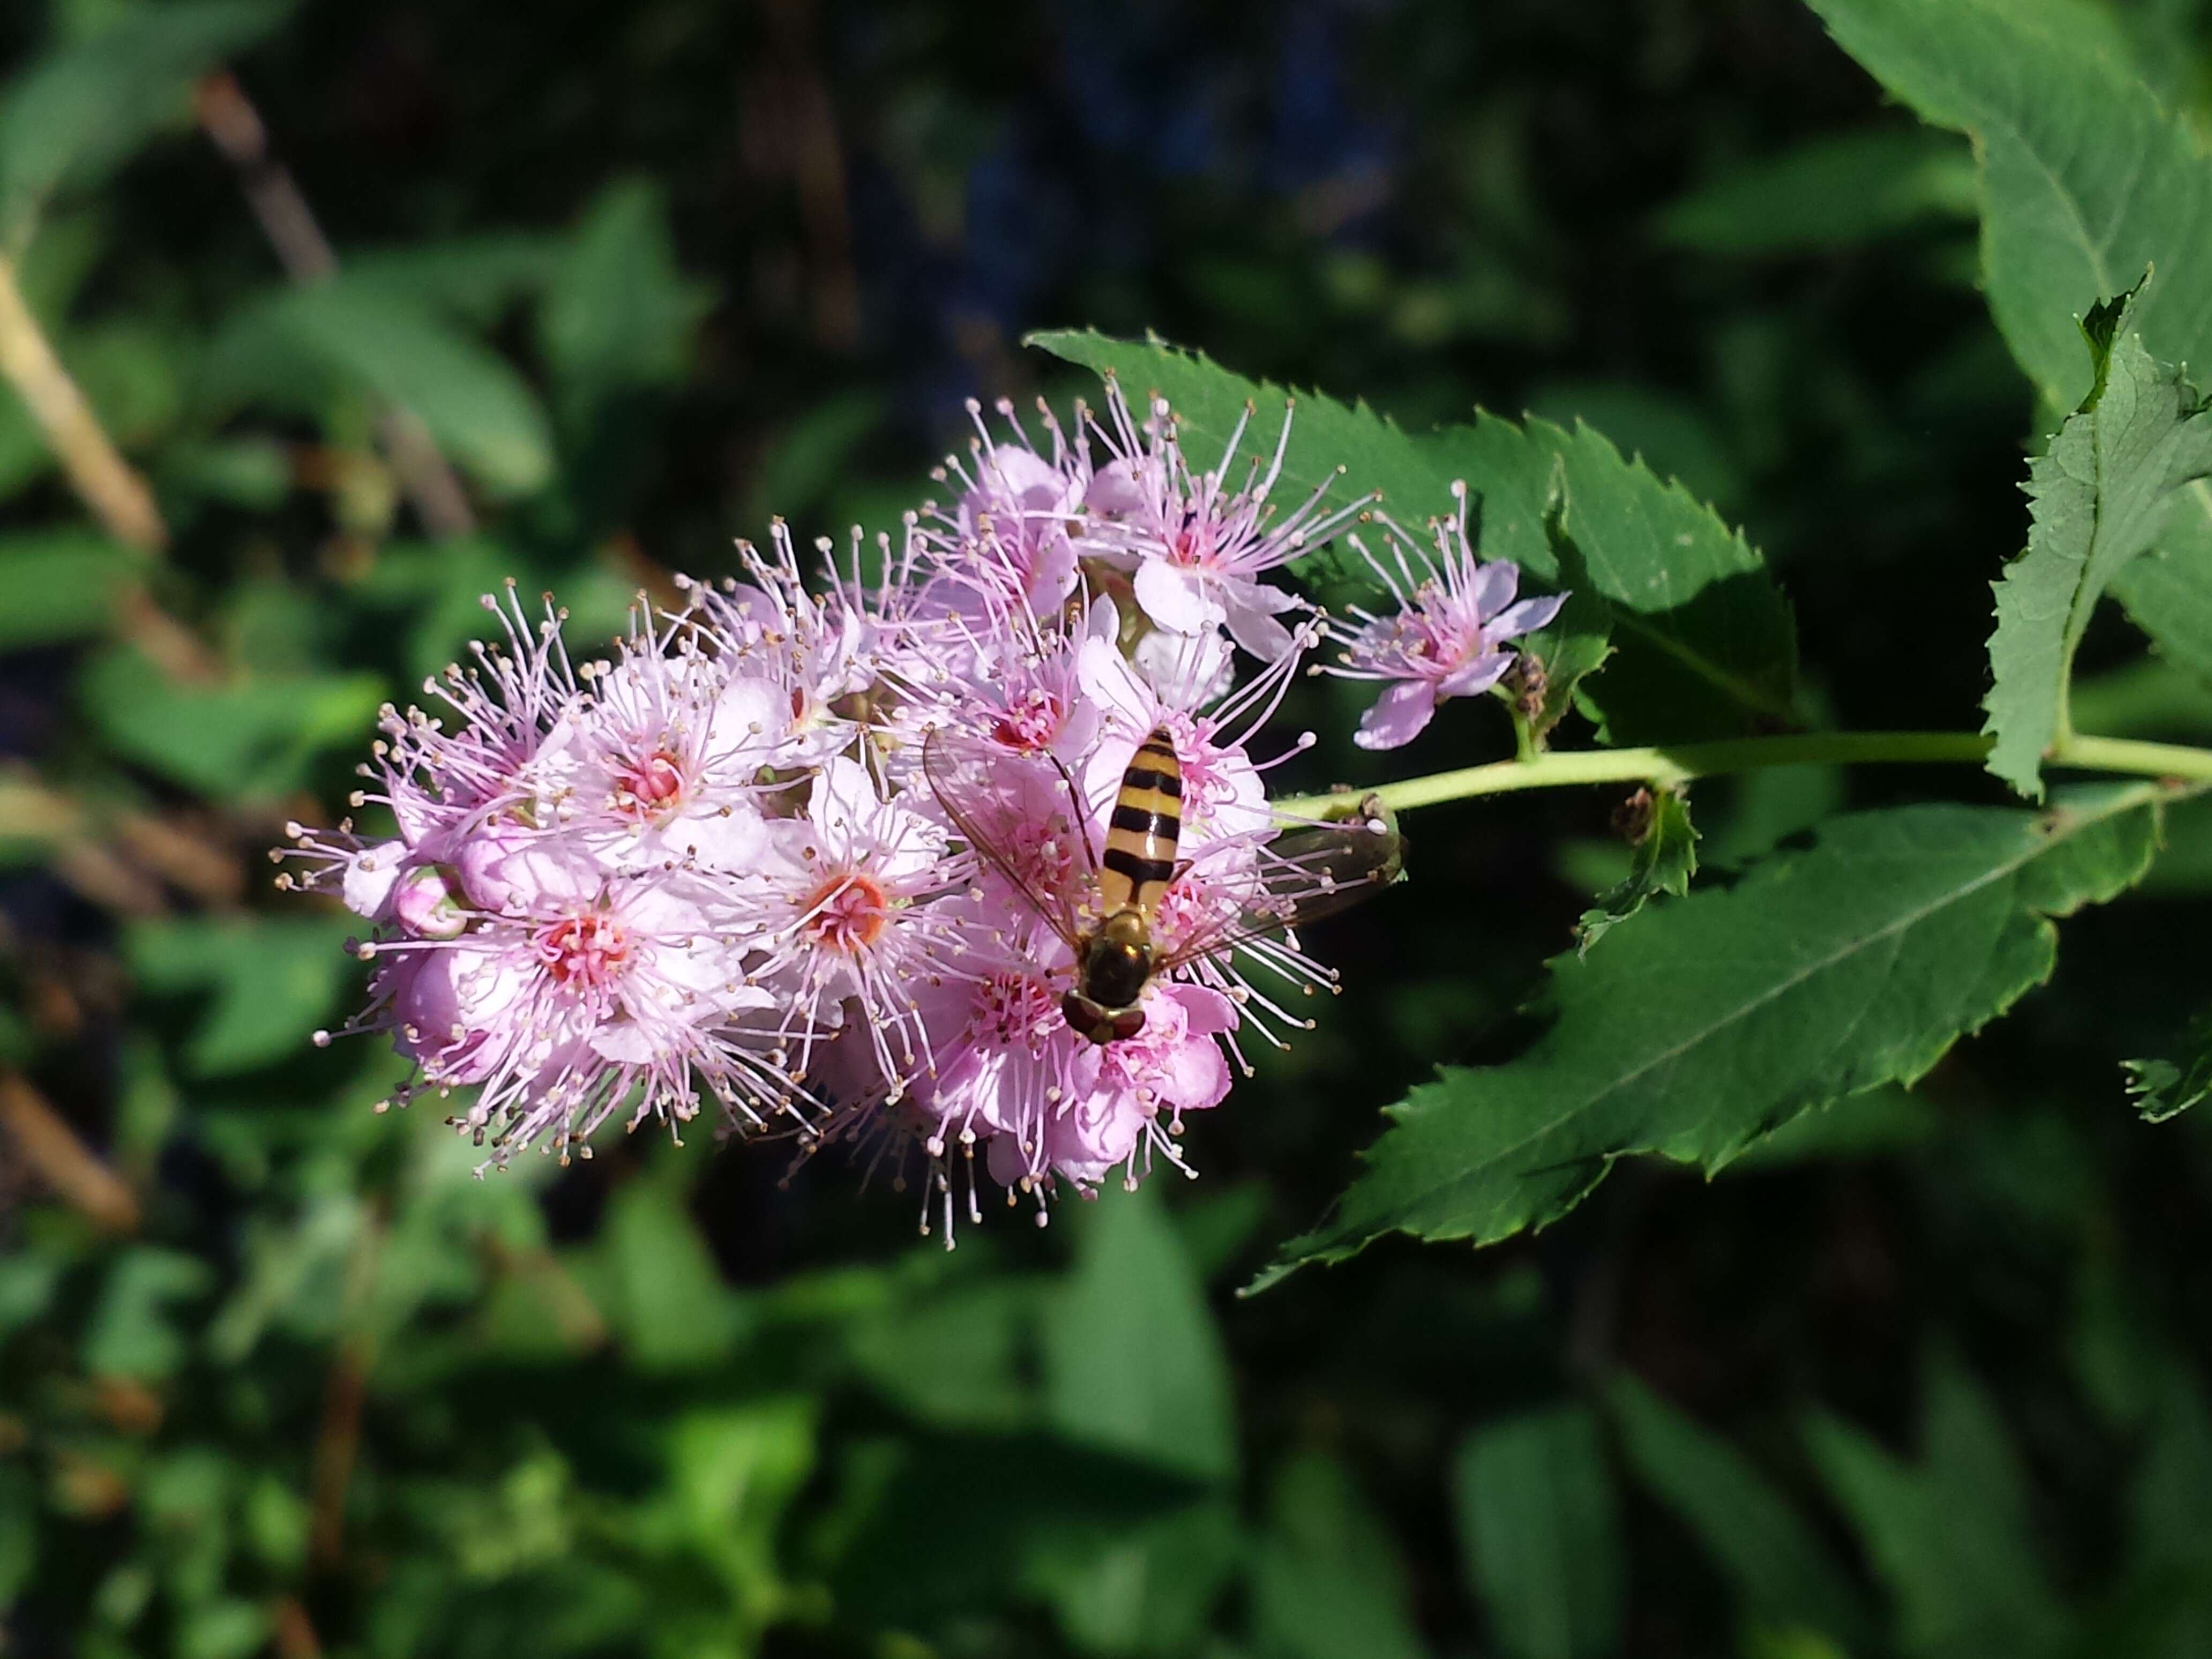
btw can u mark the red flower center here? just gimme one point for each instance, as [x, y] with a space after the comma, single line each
[587, 951]
[1031, 722]
[848, 912]
[649, 785]
[1013, 1009]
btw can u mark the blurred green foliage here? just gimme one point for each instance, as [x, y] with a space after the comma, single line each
[1920, 1374]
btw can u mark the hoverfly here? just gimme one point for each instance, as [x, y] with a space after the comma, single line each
[1302, 874]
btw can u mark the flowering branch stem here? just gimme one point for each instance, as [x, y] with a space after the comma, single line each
[1680, 762]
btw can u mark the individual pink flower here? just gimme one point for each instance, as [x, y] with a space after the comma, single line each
[665, 755]
[1009, 540]
[1137, 1091]
[848, 934]
[583, 995]
[1448, 637]
[1195, 544]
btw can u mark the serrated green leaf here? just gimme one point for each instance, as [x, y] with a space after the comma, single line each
[80, 112]
[1555, 660]
[1827, 970]
[2163, 1088]
[1328, 1580]
[1705, 645]
[2099, 496]
[1950, 1535]
[2086, 181]
[1838, 191]
[1665, 857]
[1133, 1362]
[1539, 1536]
[1785, 1574]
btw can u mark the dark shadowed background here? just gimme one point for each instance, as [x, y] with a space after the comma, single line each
[1922, 1375]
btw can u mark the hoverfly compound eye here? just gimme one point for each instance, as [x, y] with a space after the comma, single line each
[1128, 1024]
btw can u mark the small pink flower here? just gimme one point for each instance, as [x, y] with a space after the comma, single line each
[1196, 545]
[1448, 637]
[1007, 546]
[848, 932]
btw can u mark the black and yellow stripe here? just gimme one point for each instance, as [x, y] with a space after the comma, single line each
[1142, 833]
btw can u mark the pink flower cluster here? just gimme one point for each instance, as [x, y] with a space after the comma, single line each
[722, 862]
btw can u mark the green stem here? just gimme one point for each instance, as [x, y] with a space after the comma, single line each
[1680, 762]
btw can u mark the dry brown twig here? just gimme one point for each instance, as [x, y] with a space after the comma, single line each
[106, 483]
[227, 115]
[120, 859]
[62, 1161]
[103, 480]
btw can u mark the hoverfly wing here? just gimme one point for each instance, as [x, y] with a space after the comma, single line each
[1303, 874]
[984, 790]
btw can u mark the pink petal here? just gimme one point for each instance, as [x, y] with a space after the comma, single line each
[1398, 715]
[1175, 598]
[1480, 675]
[1252, 626]
[1522, 619]
[1494, 586]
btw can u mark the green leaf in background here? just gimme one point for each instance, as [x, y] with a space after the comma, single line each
[1132, 1361]
[1701, 632]
[289, 349]
[1838, 190]
[1665, 858]
[1785, 1575]
[1534, 1503]
[961, 1524]
[2086, 182]
[84, 108]
[133, 1333]
[1328, 1580]
[733, 1473]
[1153, 1589]
[813, 456]
[57, 584]
[274, 980]
[2099, 496]
[474, 280]
[656, 1281]
[1949, 1536]
[19, 1531]
[1854, 962]
[619, 314]
[2163, 1088]
[234, 742]
[956, 1357]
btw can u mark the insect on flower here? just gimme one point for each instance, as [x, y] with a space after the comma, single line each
[1109, 910]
